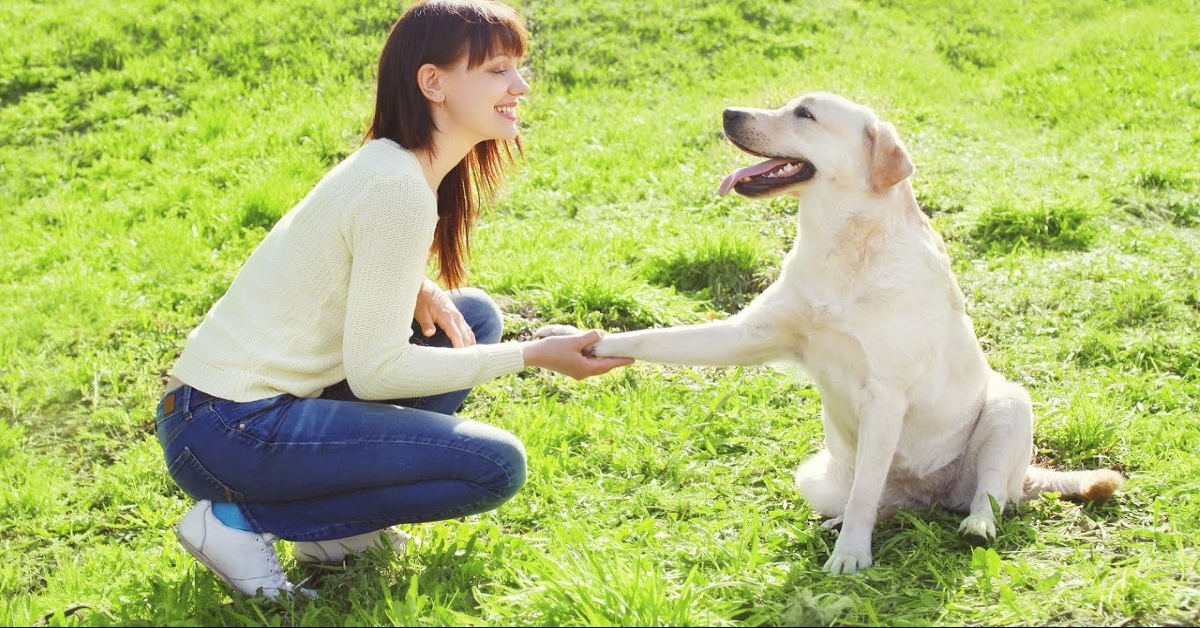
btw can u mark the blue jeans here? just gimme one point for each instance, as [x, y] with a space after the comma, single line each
[336, 466]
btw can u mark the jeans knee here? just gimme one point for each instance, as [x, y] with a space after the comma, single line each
[509, 453]
[481, 313]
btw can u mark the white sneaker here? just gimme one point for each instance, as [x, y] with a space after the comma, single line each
[337, 550]
[246, 561]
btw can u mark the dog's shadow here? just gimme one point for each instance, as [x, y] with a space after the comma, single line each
[921, 563]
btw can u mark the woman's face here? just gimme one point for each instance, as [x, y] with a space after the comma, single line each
[481, 103]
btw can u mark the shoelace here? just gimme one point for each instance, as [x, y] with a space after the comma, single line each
[267, 546]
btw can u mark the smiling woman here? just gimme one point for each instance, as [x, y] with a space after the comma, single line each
[445, 44]
[305, 406]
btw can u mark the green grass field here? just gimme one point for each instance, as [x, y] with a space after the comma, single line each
[146, 146]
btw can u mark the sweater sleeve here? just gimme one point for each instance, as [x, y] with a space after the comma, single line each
[389, 231]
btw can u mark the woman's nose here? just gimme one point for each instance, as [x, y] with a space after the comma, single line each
[521, 87]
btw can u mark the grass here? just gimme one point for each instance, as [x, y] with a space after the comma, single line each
[146, 146]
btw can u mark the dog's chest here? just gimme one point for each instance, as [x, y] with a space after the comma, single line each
[834, 324]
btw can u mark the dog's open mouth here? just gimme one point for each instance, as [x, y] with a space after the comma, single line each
[761, 178]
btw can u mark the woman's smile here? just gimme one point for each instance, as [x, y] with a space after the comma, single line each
[507, 111]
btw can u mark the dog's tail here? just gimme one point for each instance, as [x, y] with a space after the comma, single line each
[1097, 485]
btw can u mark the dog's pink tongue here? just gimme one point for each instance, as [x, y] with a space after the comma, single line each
[748, 171]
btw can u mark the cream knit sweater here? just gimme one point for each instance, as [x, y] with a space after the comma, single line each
[329, 294]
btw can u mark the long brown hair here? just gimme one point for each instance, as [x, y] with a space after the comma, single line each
[441, 32]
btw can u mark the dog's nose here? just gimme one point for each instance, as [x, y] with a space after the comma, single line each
[732, 115]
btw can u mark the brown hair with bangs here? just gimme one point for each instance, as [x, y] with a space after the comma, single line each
[441, 32]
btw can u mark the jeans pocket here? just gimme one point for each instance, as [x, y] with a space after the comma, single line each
[253, 418]
[196, 480]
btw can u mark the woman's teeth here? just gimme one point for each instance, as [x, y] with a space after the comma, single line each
[507, 111]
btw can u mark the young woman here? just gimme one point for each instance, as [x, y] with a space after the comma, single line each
[315, 401]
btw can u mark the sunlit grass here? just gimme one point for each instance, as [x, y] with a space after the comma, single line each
[145, 147]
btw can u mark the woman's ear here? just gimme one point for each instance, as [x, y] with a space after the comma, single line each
[429, 80]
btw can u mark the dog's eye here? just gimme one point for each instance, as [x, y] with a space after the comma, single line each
[803, 112]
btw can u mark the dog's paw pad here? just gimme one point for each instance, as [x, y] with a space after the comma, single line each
[556, 330]
[977, 530]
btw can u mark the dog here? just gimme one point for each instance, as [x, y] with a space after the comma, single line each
[867, 306]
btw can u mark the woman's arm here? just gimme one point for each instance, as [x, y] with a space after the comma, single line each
[390, 232]
[389, 229]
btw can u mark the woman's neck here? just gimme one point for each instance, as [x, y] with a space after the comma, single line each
[440, 157]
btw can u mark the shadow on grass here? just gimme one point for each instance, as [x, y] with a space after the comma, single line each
[922, 567]
[432, 583]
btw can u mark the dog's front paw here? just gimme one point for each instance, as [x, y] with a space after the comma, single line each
[603, 349]
[556, 330]
[978, 529]
[847, 559]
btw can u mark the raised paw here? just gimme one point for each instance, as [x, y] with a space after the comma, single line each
[556, 330]
[978, 529]
[846, 560]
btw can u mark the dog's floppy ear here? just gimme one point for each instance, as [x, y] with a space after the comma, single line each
[890, 163]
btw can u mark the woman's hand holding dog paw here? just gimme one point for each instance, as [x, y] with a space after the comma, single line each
[566, 352]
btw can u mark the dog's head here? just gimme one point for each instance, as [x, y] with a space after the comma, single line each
[817, 139]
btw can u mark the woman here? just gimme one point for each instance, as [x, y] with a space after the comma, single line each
[315, 401]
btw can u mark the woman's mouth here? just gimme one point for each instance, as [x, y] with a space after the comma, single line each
[508, 112]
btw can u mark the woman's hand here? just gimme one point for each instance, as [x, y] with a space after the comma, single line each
[435, 309]
[565, 354]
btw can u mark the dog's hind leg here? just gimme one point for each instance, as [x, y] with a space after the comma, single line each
[999, 451]
[825, 485]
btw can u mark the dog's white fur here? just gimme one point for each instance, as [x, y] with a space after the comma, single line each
[867, 305]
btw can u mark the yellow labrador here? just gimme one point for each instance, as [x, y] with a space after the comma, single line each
[867, 305]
